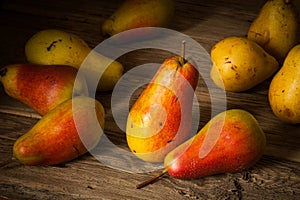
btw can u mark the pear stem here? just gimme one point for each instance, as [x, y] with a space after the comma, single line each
[183, 49]
[11, 160]
[151, 180]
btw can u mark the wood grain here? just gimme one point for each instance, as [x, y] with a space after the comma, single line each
[276, 175]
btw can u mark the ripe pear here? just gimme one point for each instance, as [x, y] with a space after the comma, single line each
[276, 28]
[53, 46]
[42, 87]
[58, 137]
[284, 91]
[230, 142]
[240, 64]
[161, 118]
[239, 144]
[139, 13]
[57, 47]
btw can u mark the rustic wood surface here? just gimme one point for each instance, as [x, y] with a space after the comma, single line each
[275, 176]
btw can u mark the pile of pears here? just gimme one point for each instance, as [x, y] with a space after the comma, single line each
[159, 128]
[159, 124]
[51, 85]
[270, 50]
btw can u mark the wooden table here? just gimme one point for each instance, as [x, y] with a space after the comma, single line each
[275, 176]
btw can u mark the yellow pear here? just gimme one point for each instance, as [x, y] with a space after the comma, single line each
[139, 13]
[284, 91]
[240, 64]
[57, 47]
[52, 46]
[276, 28]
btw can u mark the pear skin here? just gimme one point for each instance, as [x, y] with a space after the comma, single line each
[239, 64]
[41, 87]
[139, 13]
[161, 118]
[58, 137]
[230, 142]
[284, 90]
[54, 46]
[276, 28]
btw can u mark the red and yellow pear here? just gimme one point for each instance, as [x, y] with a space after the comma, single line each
[42, 87]
[161, 118]
[71, 129]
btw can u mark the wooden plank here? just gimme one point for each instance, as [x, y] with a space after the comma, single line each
[86, 177]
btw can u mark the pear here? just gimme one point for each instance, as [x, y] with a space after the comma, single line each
[239, 144]
[284, 91]
[139, 13]
[42, 87]
[63, 134]
[54, 46]
[230, 142]
[57, 47]
[161, 117]
[240, 64]
[276, 28]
